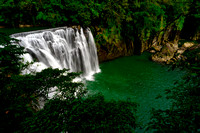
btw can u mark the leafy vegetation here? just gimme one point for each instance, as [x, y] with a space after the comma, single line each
[70, 109]
[184, 114]
[112, 21]
[91, 114]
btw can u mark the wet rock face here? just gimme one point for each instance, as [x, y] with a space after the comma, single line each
[157, 48]
[110, 52]
[165, 54]
[188, 44]
[171, 52]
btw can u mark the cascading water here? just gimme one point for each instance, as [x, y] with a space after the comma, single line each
[63, 47]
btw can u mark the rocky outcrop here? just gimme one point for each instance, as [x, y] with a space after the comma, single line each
[171, 52]
[109, 52]
[189, 47]
[173, 46]
[166, 53]
[164, 46]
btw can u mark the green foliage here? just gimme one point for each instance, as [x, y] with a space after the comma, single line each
[192, 21]
[10, 59]
[19, 94]
[184, 114]
[112, 21]
[180, 23]
[91, 114]
[148, 19]
[69, 108]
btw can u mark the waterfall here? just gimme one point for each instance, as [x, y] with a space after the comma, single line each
[63, 47]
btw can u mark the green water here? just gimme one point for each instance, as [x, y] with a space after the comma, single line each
[138, 79]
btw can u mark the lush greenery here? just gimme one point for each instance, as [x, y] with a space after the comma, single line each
[92, 114]
[21, 98]
[184, 115]
[112, 21]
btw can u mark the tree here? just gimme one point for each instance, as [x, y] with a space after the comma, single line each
[19, 94]
[68, 109]
[191, 26]
[89, 114]
[184, 115]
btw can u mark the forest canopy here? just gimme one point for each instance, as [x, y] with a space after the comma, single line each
[110, 20]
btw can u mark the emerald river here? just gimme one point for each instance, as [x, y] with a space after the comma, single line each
[138, 79]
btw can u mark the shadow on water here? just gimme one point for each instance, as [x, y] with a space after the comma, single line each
[138, 79]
